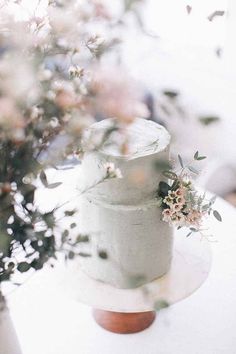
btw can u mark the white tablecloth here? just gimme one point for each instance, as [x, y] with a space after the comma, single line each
[47, 322]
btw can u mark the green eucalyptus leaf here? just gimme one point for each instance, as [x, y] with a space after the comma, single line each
[217, 215]
[49, 219]
[171, 94]
[83, 238]
[84, 254]
[181, 161]
[102, 254]
[54, 185]
[196, 155]
[192, 169]
[163, 188]
[65, 234]
[212, 200]
[209, 120]
[69, 212]
[23, 267]
[170, 175]
[71, 255]
[43, 178]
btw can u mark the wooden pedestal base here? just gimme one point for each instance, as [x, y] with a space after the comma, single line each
[124, 323]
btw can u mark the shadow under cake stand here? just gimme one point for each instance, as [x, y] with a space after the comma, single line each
[132, 310]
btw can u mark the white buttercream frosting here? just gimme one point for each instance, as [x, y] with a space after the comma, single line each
[148, 143]
[144, 138]
[122, 215]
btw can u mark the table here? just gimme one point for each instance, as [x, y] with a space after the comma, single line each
[49, 323]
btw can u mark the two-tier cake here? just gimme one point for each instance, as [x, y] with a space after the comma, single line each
[122, 215]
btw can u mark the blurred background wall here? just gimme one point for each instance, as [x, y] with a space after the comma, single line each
[190, 52]
[183, 54]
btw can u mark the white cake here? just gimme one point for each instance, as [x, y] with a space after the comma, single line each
[122, 216]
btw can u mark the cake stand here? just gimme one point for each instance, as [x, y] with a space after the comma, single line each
[133, 310]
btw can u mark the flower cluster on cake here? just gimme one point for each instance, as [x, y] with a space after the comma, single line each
[181, 203]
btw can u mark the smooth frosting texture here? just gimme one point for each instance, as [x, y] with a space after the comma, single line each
[144, 138]
[140, 175]
[122, 216]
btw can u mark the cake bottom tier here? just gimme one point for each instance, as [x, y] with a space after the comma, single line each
[138, 244]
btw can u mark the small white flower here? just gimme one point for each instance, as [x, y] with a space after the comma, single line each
[111, 171]
[166, 215]
[176, 207]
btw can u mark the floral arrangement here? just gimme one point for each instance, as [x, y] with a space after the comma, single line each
[54, 83]
[182, 205]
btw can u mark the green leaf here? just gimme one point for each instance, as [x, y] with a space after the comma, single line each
[197, 157]
[84, 254]
[215, 14]
[192, 169]
[189, 234]
[71, 255]
[70, 212]
[209, 120]
[212, 200]
[43, 178]
[170, 175]
[65, 234]
[163, 189]
[171, 94]
[217, 215]
[102, 254]
[160, 304]
[73, 225]
[54, 185]
[181, 161]
[49, 219]
[83, 238]
[193, 229]
[23, 267]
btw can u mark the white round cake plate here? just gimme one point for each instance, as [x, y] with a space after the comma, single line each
[190, 268]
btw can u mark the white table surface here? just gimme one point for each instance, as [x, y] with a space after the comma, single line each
[47, 322]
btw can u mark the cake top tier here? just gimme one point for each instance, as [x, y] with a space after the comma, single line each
[148, 143]
[144, 138]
